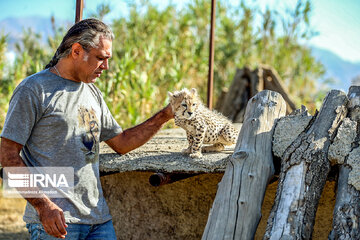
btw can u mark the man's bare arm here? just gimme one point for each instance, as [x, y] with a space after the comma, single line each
[136, 136]
[51, 216]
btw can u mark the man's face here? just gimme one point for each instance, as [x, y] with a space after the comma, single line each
[95, 61]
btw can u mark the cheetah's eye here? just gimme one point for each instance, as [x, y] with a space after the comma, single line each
[194, 104]
[184, 105]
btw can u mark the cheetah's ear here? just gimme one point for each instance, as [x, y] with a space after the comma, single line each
[193, 91]
[171, 95]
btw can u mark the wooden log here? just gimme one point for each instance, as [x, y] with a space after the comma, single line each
[236, 210]
[272, 81]
[346, 151]
[304, 170]
[245, 85]
[234, 103]
[288, 129]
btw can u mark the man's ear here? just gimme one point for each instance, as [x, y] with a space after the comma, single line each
[76, 50]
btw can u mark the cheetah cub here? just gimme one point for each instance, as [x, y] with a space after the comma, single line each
[202, 125]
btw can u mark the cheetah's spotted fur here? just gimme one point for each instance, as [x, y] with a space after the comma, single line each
[202, 125]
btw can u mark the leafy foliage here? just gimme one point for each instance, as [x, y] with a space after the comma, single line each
[159, 50]
[5, 88]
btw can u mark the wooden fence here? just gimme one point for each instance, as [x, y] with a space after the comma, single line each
[308, 146]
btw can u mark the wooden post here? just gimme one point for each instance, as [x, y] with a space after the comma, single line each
[346, 220]
[303, 173]
[211, 56]
[79, 10]
[236, 210]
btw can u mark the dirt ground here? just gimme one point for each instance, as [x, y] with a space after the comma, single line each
[323, 220]
[11, 224]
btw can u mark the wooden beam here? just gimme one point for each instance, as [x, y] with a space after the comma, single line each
[79, 10]
[236, 210]
[346, 216]
[211, 57]
[304, 169]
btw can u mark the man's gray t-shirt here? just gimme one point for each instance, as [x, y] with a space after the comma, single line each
[60, 123]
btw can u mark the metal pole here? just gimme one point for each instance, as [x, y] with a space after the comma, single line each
[211, 57]
[159, 179]
[79, 10]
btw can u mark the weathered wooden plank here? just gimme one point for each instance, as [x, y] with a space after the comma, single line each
[346, 151]
[304, 171]
[236, 210]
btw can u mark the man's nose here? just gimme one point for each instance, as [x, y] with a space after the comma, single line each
[105, 64]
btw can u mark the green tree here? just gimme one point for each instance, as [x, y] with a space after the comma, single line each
[4, 83]
[159, 50]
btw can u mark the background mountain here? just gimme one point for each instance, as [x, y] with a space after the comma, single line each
[338, 69]
[14, 28]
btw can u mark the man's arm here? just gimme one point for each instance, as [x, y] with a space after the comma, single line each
[51, 216]
[136, 136]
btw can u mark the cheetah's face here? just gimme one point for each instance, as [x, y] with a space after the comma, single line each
[187, 109]
[184, 103]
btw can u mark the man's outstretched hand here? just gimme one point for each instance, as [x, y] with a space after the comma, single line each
[136, 136]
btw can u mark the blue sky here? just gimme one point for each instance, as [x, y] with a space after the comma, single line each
[338, 22]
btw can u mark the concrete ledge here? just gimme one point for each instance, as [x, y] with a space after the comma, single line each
[163, 154]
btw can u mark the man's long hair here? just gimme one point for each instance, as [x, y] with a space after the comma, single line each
[87, 33]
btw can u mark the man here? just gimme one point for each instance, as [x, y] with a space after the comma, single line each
[57, 117]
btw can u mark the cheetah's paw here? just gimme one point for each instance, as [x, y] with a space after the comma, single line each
[196, 155]
[186, 151]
